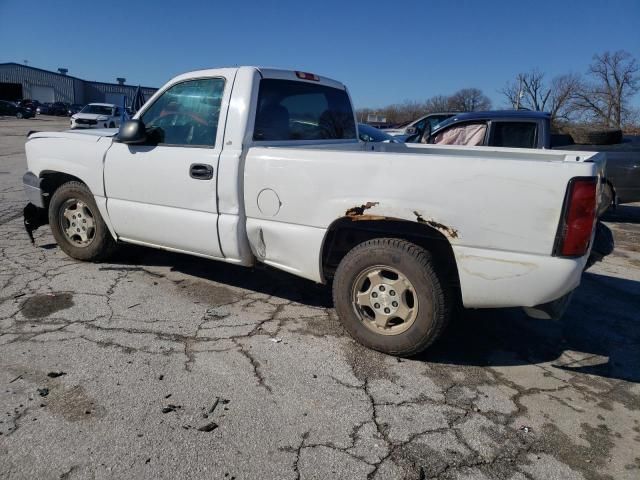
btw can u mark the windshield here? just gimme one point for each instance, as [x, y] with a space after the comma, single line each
[97, 109]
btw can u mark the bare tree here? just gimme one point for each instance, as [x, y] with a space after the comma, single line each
[614, 80]
[469, 100]
[564, 91]
[465, 100]
[437, 103]
[529, 90]
[411, 109]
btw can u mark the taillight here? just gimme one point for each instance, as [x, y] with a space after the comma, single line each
[576, 225]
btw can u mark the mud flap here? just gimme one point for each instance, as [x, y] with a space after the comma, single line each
[34, 217]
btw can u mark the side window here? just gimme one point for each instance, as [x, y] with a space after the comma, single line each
[420, 125]
[187, 113]
[291, 110]
[514, 134]
[436, 120]
[116, 112]
[470, 134]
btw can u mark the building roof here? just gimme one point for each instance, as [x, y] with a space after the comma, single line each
[72, 77]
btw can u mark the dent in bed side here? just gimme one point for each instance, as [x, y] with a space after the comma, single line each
[496, 279]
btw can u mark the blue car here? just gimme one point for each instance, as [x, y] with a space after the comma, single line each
[367, 133]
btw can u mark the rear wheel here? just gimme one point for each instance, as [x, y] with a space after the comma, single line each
[77, 225]
[389, 296]
[19, 115]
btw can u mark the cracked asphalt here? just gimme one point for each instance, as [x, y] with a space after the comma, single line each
[160, 365]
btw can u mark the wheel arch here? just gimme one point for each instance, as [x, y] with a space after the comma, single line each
[347, 232]
[51, 180]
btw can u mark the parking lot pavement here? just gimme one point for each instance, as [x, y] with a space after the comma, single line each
[159, 365]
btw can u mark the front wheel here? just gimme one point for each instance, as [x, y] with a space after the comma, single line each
[389, 296]
[19, 115]
[77, 224]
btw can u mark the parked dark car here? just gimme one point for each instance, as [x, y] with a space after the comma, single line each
[43, 109]
[30, 104]
[8, 108]
[367, 133]
[59, 108]
[527, 129]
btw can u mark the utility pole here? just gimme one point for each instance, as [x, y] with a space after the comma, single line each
[519, 92]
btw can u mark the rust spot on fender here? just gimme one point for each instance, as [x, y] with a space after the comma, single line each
[448, 231]
[358, 211]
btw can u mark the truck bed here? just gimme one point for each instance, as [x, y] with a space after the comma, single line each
[498, 208]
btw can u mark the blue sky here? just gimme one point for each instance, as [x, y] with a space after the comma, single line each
[385, 51]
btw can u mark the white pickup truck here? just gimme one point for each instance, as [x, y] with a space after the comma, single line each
[249, 165]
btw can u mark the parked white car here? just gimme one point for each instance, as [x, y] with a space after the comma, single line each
[248, 165]
[97, 115]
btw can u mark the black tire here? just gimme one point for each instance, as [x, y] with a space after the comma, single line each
[434, 297]
[19, 115]
[101, 245]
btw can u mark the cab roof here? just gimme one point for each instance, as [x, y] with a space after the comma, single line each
[493, 115]
[265, 72]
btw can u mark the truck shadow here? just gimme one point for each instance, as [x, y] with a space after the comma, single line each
[598, 335]
[261, 279]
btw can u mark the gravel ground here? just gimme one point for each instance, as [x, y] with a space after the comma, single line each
[161, 365]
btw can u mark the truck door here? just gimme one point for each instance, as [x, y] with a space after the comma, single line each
[163, 192]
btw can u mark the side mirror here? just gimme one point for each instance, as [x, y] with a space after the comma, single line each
[132, 132]
[411, 130]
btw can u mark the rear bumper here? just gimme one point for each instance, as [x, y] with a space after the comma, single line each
[543, 285]
[31, 184]
[502, 279]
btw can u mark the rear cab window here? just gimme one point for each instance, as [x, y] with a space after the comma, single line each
[514, 134]
[294, 110]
